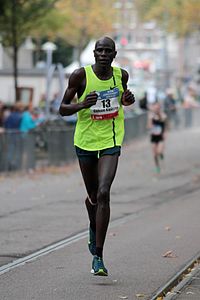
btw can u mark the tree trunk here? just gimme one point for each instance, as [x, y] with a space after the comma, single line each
[15, 72]
[15, 49]
[79, 51]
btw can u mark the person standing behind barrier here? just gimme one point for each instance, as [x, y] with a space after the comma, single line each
[189, 103]
[1, 136]
[5, 111]
[101, 90]
[143, 102]
[12, 127]
[170, 108]
[157, 126]
[1, 116]
[28, 123]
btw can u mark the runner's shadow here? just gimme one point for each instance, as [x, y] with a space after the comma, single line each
[105, 281]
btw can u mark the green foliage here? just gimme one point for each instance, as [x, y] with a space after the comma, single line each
[2, 6]
[85, 19]
[72, 21]
[19, 17]
[177, 16]
[64, 52]
[49, 25]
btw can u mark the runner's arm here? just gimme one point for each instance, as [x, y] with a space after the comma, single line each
[75, 83]
[128, 97]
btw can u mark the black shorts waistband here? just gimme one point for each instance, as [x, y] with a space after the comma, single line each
[85, 154]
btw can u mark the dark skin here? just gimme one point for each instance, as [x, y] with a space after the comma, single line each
[98, 175]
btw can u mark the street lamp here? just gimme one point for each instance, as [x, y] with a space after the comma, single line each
[28, 44]
[48, 47]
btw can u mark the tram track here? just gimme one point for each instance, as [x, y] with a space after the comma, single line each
[172, 288]
[178, 191]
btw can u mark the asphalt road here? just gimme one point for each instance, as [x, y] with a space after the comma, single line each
[151, 217]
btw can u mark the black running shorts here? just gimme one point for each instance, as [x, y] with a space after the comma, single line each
[93, 155]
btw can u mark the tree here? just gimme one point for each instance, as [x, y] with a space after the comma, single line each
[178, 16]
[17, 19]
[83, 20]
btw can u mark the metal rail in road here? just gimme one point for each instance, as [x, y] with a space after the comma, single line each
[54, 247]
[174, 286]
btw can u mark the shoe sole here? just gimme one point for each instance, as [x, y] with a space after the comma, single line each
[100, 273]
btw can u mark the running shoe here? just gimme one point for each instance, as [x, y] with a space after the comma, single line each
[92, 241]
[98, 267]
[157, 170]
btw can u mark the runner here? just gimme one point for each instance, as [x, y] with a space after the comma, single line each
[101, 90]
[157, 125]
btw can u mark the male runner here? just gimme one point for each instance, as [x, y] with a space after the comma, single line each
[101, 90]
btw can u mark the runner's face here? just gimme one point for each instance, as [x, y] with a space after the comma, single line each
[157, 107]
[104, 53]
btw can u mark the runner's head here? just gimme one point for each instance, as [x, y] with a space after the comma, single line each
[156, 107]
[104, 51]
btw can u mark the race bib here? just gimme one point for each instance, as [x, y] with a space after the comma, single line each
[156, 130]
[107, 105]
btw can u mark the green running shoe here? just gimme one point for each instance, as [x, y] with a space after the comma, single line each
[157, 170]
[92, 241]
[98, 267]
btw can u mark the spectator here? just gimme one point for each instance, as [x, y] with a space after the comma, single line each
[7, 109]
[42, 102]
[1, 116]
[170, 109]
[38, 115]
[1, 136]
[13, 119]
[188, 104]
[143, 102]
[27, 123]
[55, 103]
[12, 126]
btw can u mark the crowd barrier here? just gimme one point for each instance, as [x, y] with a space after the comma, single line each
[54, 145]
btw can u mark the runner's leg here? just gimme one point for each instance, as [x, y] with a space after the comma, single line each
[155, 154]
[107, 167]
[89, 170]
[161, 149]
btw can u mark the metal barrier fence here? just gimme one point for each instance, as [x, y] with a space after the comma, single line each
[17, 151]
[60, 147]
[135, 127]
[54, 146]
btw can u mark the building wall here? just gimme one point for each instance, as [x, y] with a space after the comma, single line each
[37, 82]
[25, 59]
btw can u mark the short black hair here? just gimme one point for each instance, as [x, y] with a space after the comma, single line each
[106, 38]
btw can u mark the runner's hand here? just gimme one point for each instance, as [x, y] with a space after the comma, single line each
[90, 100]
[128, 98]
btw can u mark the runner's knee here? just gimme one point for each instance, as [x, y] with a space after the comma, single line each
[103, 195]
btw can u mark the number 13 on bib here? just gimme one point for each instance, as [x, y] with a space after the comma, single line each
[107, 105]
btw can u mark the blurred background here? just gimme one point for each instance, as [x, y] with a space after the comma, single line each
[43, 41]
